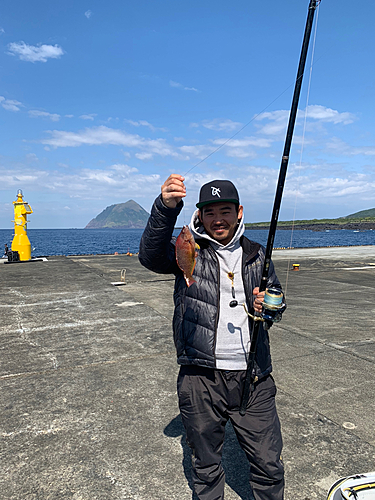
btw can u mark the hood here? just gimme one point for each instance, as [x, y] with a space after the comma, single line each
[196, 227]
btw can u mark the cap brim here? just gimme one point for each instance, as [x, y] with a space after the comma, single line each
[204, 203]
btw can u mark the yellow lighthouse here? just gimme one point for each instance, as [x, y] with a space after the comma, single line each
[21, 242]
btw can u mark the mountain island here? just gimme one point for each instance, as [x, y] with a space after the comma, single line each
[127, 215]
[131, 215]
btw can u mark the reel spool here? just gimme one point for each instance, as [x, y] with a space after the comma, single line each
[273, 306]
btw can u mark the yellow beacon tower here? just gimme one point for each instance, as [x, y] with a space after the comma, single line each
[21, 242]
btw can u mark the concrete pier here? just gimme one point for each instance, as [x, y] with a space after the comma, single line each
[88, 379]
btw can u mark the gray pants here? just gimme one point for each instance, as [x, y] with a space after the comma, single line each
[208, 398]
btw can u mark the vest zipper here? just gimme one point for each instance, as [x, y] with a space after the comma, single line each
[213, 253]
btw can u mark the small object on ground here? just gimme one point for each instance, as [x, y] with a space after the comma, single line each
[186, 252]
[122, 279]
[358, 487]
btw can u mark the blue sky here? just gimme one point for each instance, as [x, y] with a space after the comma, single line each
[101, 101]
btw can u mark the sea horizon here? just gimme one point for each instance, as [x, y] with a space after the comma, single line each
[82, 241]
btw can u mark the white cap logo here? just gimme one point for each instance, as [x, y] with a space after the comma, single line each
[215, 191]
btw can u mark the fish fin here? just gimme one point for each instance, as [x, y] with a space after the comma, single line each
[197, 247]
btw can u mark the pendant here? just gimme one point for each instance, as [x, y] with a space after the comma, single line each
[231, 277]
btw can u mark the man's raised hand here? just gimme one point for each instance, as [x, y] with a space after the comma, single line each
[173, 190]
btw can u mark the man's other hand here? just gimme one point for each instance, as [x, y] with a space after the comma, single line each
[258, 299]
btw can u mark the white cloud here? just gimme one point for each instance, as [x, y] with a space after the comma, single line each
[144, 123]
[199, 150]
[32, 157]
[160, 147]
[322, 186]
[278, 120]
[324, 114]
[144, 156]
[315, 187]
[97, 136]
[35, 53]
[180, 86]
[240, 153]
[238, 148]
[193, 89]
[175, 84]
[9, 180]
[242, 148]
[123, 168]
[337, 146]
[258, 142]
[117, 180]
[280, 114]
[102, 177]
[2, 31]
[43, 114]
[10, 104]
[368, 151]
[88, 14]
[91, 116]
[132, 122]
[220, 124]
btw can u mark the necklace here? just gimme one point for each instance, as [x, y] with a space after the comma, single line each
[231, 277]
[231, 268]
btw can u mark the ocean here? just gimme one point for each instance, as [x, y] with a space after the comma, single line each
[45, 242]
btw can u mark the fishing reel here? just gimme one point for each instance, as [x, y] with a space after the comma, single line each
[273, 307]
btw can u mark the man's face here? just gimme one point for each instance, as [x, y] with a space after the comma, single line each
[220, 220]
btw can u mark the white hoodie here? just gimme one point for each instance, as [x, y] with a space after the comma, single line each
[233, 336]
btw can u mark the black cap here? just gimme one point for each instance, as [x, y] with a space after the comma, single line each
[218, 191]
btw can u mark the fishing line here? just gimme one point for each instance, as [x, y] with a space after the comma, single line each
[302, 145]
[254, 117]
[238, 131]
[244, 126]
[250, 121]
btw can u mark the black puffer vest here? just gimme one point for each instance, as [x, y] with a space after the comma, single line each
[197, 307]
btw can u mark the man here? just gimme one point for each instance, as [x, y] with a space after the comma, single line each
[212, 339]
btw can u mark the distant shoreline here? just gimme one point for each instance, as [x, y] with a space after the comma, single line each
[352, 226]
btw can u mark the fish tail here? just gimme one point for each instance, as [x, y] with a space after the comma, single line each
[189, 280]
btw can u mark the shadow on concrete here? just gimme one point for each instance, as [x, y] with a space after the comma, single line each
[234, 461]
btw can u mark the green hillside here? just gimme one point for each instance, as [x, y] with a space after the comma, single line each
[363, 219]
[362, 214]
[120, 216]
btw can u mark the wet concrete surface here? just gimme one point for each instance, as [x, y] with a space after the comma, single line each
[88, 379]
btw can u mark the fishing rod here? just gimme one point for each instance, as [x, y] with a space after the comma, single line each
[274, 298]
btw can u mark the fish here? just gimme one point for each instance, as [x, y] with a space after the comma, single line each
[186, 253]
